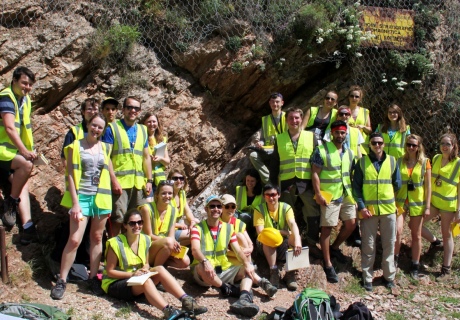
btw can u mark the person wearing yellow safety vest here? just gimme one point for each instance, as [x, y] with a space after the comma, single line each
[360, 117]
[184, 217]
[160, 219]
[278, 215]
[127, 256]
[130, 162]
[394, 131]
[290, 168]
[109, 108]
[331, 172]
[88, 108]
[210, 241]
[272, 125]
[414, 198]
[318, 119]
[376, 179]
[17, 151]
[88, 195]
[445, 198]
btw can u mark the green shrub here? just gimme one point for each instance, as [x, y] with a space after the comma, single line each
[237, 67]
[309, 18]
[114, 43]
[233, 44]
[212, 8]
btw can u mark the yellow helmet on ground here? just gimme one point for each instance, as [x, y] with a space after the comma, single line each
[270, 237]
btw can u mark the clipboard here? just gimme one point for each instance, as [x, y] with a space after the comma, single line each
[160, 149]
[301, 261]
[326, 195]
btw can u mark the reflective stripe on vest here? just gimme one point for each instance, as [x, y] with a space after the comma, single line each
[377, 186]
[416, 198]
[181, 206]
[158, 171]
[282, 224]
[395, 146]
[269, 130]
[103, 198]
[295, 163]
[314, 112]
[335, 173]
[7, 148]
[161, 228]
[78, 131]
[444, 197]
[127, 163]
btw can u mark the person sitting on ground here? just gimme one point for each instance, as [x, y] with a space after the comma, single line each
[184, 216]
[109, 108]
[228, 216]
[210, 241]
[127, 255]
[17, 150]
[159, 220]
[278, 215]
[87, 196]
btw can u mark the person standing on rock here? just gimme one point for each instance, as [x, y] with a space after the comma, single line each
[331, 170]
[210, 240]
[131, 162]
[290, 166]
[376, 180]
[272, 125]
[109, 108]
[17, 150]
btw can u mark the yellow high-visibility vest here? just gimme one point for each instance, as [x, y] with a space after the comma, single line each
[295, 163]
[444, 197]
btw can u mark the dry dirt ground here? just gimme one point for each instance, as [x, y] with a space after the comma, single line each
[30, 281]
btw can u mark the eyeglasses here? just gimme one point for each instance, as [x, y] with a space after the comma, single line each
[411, 145]
[353, 96]
[213, 206]
[228, 206]
[344, 114]
[445, 144]
[376, 143]
[178, 178]
[329, 98]
[132, 224]
[270, 195]
[137, 109]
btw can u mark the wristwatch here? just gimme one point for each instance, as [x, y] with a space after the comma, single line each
[150, 181]
[204, 260]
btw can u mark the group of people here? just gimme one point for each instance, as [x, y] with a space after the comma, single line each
[328, 165]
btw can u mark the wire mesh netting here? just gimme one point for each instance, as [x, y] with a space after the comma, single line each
[422, 78]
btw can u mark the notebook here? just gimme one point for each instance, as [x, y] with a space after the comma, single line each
[326, 195]
[455, 228]
[160, 149]
[140, 280]
[301, 261]
[181, 254]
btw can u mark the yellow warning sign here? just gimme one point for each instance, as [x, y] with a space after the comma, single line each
[392, 28]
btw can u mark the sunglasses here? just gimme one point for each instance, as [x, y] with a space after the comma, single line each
[329, 98]
[411, 145]
[178, 178]
[132, 224]
[376, 143]
[166, 183]
[356, 97]
[137, 109]
[213, 206]
[230, 206]
[446, 145]
[344, 114]
[270, 195]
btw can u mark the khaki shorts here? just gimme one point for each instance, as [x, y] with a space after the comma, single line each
[227, 276]
[330, 214]
[128, 199]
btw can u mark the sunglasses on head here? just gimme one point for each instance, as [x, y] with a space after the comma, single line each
[329, 98]
[353, 96]
[271, 195]
[166, 183]
[137, 109]
[213, 206]
[178, 178]
[132, 224]
[411, 145]
[230, 206]
[376, 143]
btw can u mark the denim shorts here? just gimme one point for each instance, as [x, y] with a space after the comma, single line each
[89, 208]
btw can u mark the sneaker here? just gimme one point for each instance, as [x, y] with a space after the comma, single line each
[367, 286]
[269, 289]
[57, 292]
[29, 235]
[10, 210]
[414, 271]
[337, 255]
[170, 312]
[244, 306]
[445, 274]
[435, 245]
[331, 276]
[275, 277]
[291, 282]
[190, 304]
[95, 286]
[388, 283]
[230, 290]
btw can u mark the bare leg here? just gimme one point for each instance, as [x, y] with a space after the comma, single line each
[22, 170]
[270, 255]
[324, 242]
[151, 293]
[345, 232]
[416, 234]
[448, 240]
[168, 281]
[77, 229]
[95, 247]
[399, 231]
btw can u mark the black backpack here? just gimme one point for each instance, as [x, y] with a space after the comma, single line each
[357, 311]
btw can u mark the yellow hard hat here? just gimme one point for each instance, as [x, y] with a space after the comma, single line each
[270, 237]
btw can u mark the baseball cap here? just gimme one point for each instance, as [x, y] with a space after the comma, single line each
[212, 198]
[109, 100]
[228, 198]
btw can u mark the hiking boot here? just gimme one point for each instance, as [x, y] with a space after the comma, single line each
[414, 271]
[331, 276]
[57, 292]
[338, 255]
[396, 261]
[169, 312]
[435, 245]
[95, 286]
[275, 277]
[230, 290]
[388, 283]
[445, 274]
[269, 289]
[190, 304]
[291, 282]
[10, 210]
[367, 286]
[244, 306]
[29, 235]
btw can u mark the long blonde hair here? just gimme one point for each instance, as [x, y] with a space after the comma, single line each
[420, 151]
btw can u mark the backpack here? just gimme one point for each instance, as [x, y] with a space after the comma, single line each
[312, 304]
[32, 311]
[357, 311]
